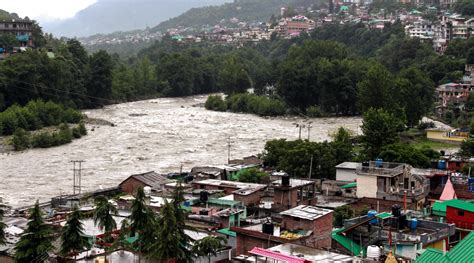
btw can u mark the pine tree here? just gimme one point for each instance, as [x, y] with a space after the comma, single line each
[142, 221]
[103, 217]
[167, 246]
[72, 235]
[35, 243]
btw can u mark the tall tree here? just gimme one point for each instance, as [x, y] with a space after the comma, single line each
[379, 128]
[103, 217]
[234, 77]
[72, 235]
[376, 90]
[415, 92]
[167, 245]
[35, 243]
[142, 221]
[208, 246]
[99, 87]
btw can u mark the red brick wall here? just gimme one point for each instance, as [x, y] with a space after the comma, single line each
[285, 199]
[248, 200]
[246, 243]
[321, 227]
[131, 185]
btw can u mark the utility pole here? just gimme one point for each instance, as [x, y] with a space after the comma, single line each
[310, 167]
[228, 150]
[309, 128]
[77, 169]
[300, 126]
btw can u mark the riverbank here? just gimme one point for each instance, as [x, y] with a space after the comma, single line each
[160, 135]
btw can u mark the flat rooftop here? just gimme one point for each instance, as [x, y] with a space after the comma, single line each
[294, 182]
[224, 183]
[306, 212]
[348, 165]
[311, 254]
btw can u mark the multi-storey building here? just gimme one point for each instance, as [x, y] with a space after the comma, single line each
[21, 28]
[420, 29]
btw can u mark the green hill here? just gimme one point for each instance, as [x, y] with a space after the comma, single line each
[244, 10]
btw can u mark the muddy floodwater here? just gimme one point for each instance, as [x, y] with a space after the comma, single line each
[154, 135]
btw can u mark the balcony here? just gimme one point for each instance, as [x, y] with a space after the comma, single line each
[384, 169]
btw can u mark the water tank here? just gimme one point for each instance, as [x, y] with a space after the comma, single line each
[378, 163]
[396, 210]
[147, 191]
[365, 164]
[203, 196]
[372, 213]
[373, 252]
[442, 164]
[413, 223]
[267, 228]
[285, 180]
[203, 212]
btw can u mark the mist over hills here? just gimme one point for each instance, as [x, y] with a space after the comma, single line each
[106, 16]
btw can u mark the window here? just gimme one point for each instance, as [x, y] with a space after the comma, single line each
[460, 213]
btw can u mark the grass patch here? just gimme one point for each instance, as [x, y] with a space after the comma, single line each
[423, 142]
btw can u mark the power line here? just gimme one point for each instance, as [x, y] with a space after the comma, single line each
[64, 91]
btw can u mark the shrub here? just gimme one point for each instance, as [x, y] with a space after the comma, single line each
[215, 103]
[65, 134]
[76, 133]
[314, 112]
[82, 129]
[41, 140]
[259, 105]
[21, 140]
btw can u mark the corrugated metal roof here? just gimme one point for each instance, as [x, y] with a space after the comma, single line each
[151, 179]
[462, 252]
[350, 185]
[431, 255]
[460, 204]
[306, 212]
[346, 242]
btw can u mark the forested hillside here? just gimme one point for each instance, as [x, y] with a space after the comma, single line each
[107, 16]
[244, 10]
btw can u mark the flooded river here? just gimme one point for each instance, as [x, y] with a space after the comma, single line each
[159, 135]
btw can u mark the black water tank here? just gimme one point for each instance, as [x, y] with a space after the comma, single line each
[402, 222]
[396, 210]
[285, 180]
[204, 212]
[365, 164]
[267, 228]
[203, 196]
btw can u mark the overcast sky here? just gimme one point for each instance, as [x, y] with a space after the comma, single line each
[45, 9]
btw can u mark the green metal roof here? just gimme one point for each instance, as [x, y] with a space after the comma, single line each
[351, 185]
[227, 232]
[346, 242]
[462, 252]
[431, 255]
[460, 204]
[384, 215]
[439, 208]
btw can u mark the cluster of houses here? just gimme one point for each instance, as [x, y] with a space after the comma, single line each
[400, 213]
